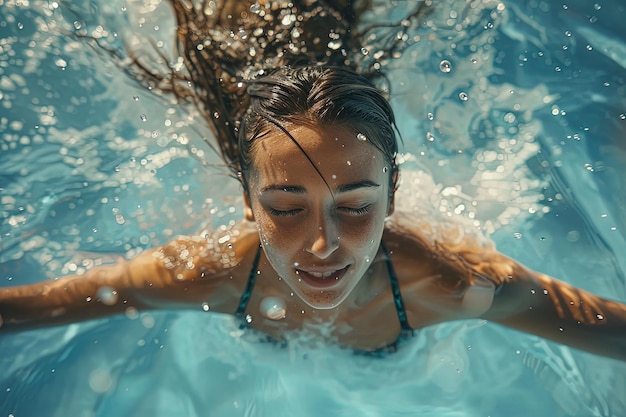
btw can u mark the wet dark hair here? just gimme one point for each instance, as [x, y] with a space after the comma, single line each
[255, 64]
[323, 96]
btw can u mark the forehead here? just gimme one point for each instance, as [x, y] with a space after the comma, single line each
[340, 154]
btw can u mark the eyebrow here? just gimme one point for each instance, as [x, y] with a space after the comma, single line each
[344, 188]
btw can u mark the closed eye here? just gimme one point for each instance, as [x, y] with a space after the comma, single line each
[358, 211]
[284, 213]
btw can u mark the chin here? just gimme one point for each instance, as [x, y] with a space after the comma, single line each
[324, 300]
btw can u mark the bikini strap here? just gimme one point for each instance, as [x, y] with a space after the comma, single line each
[395, 291]
[247, 292]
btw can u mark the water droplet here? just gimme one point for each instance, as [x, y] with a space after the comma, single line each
[255, 8]
[107, 295]
[143, 117]
[132, 313]
[445, 66]
[463, 96]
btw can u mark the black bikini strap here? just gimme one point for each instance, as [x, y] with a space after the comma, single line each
[395, 291]
[247, 292]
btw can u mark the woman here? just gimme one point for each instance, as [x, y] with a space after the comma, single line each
[314, 148]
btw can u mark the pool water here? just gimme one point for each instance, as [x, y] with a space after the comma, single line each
[513, 116]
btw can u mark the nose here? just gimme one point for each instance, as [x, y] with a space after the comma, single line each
[325, 237]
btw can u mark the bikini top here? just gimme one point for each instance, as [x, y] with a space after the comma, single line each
[405, 329]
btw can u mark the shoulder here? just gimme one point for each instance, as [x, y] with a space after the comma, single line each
[445, 272]
[211, 267]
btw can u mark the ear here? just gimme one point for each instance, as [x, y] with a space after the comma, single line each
[248, 214]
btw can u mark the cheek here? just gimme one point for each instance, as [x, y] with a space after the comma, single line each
[279, 239]
[364, 234]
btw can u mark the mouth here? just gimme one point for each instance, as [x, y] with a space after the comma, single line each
[324, 279]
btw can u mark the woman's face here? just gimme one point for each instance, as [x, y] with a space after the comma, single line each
[319, 237]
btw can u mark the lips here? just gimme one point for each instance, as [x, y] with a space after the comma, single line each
[322, 279]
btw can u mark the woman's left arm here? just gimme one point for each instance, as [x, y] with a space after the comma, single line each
[541, 305]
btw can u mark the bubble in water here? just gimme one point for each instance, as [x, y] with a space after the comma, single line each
[385, 169]
[361, 137]
[136, 98]
[622, 116]
[273, 308]
[248, 318]
[143, 117]
[147, 321]
[463, 96]
[364, 51]
[430, 116]
[107, 295]
[445, 66]
[100, 380]
[205, 307]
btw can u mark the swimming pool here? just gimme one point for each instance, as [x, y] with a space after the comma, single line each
[512, 114]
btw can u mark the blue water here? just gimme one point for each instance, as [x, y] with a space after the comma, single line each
[522, 141]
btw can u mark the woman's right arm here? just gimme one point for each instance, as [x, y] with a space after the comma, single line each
[185, 273]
